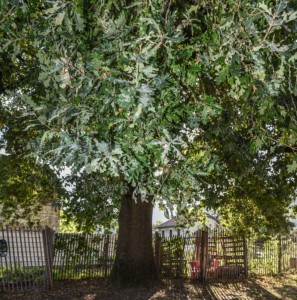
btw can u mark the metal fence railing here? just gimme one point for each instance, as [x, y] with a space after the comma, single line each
[274, 254]
[24, 266]
[83, 255]
[31, 259]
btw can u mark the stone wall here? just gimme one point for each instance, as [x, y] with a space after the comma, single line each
[48, 216]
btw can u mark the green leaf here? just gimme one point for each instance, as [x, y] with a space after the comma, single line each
[59, 19]
[265, 8]
[293, 167]
[54, 8]
[292, 16]
[149, 71]
[293, 57]
[138, 113]
[79, 22]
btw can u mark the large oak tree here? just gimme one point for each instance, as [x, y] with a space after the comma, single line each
[190, 103]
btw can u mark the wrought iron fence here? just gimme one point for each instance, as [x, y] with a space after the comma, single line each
[32, 259]
[83, 255]
[25, 265]
[274, 254]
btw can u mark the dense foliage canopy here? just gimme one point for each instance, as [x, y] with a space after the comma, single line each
[25, 185]
[193, 102]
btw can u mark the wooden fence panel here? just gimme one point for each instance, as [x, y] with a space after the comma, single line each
[205, 255]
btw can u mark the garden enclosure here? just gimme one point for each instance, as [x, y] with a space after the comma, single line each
[35, 258]
[202, 255]
[220, 254]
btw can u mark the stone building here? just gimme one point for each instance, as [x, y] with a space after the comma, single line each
[48, 216]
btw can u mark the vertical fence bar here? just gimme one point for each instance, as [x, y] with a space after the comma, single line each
[26, 257]
[75, 241]
[62, 255]
[19, 250]
[198, 245]
[56, 258]
[39, 263]
[71, 243]
[45, 251]
[73, 258]
[157, 250]
[34, 254]
[77, 238]
[9, 267]
[102, 257]
[109, 255]
[4, 268]
[65, 259]
[105, 254]
[14, 266]
[47, 248]
[279, 254]
[41, 258]
[90, 254]
[28, 237]
[64, 239]
[114, 240]
[22, 257]
[71, 246]
[84, 262]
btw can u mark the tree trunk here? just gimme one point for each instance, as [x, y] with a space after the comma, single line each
[134, 262]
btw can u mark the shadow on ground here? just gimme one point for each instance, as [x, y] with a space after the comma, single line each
[257, 288]
[241, 289]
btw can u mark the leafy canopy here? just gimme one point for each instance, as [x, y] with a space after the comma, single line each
[192, 102]
[25, 185]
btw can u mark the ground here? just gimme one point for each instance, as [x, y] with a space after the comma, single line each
[279, 287]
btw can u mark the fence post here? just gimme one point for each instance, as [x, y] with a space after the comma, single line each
[48, 235]
[198, 245]
[105, 255]
[245, 253]
[181, 256]
[280, 254]
[204, 255]
[157, 250]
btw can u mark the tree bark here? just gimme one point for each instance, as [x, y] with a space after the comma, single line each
[134, 262]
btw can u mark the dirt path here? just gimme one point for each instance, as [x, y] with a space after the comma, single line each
[281, 287]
